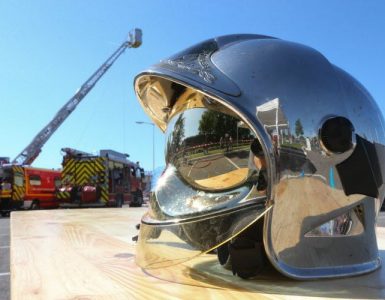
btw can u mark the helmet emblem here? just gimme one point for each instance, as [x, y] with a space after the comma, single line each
[197, 64]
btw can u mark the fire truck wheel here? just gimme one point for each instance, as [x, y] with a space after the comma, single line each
[35, 205]
[119, 200]
[138, 199]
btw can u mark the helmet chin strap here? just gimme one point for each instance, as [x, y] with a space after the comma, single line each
[244, 255]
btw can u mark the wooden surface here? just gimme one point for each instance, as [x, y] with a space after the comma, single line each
[89, 254]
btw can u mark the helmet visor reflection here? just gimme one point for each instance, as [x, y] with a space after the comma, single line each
[209, 147]
[207, 195]
[170, 243]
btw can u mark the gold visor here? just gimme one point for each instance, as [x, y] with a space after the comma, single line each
[167, 244]
[210, 190]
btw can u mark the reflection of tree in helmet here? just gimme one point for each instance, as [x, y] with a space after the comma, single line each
[217, 126]
[175, 142]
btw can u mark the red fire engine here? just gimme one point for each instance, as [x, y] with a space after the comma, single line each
[107, 179]
[27, 187]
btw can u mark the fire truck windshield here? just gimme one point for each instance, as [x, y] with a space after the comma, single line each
[5, 173]
[5, 179]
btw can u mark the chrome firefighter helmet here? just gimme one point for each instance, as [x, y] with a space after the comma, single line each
[272, 154]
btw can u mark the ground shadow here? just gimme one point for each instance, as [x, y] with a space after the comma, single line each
[270, 281]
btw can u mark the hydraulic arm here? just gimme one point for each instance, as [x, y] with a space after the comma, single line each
[29, 154]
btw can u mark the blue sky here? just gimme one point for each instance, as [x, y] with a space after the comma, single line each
[49, 48]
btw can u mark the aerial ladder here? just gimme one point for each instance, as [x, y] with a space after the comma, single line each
[29, 154]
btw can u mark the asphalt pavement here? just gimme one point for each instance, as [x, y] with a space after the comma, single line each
[4, 259]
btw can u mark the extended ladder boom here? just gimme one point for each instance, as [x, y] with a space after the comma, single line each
[29, 154]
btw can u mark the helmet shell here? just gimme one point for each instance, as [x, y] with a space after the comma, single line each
[322, 135]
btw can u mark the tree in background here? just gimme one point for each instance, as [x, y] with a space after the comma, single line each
[298, 128]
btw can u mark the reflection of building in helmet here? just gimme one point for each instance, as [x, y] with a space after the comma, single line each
[272, 117]
[242, 112]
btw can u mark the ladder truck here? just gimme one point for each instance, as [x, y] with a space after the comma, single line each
[13, 177]
[29, 154]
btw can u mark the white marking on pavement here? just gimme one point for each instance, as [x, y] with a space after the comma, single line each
[5, 274]
[188, 175]
[3, 247]
[232, 162]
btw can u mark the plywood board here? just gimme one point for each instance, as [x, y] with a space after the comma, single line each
[89, 254]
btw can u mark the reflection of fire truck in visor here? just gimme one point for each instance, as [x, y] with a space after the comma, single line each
[27, 187]
[107, 179]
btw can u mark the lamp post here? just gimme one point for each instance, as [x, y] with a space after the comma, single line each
[153, 141]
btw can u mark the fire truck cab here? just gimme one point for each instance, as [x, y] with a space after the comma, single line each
[27, 187]
[107, 179]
